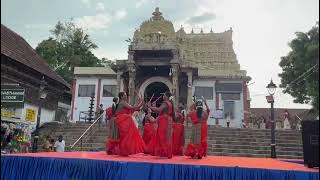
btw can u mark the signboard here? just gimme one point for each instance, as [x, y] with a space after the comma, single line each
[30, 115]
[7, 113]
[13, 97]
[218, 114]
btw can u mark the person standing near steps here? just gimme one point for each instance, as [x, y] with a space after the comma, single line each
[59, 145]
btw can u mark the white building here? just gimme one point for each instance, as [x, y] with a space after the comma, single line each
[100, 81]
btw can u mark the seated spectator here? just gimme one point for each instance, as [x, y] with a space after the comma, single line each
[60, 144]
[47, 147]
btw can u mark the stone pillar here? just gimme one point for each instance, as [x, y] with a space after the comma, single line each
[189, 96]
[189, 100]
[73, 91]
[119, 82]
[175, 82]
[132, 77]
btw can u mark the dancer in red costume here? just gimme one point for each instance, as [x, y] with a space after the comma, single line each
[112, 144]
[178, 135]
[149, 126]
[198, 146]
[130, 141]
[161, 142]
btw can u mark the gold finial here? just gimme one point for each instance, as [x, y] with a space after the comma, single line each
[156, 14]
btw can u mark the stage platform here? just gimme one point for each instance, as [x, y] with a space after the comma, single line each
[98, 165]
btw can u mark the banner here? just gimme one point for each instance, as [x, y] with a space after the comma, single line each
[218, 114]
[30, 115]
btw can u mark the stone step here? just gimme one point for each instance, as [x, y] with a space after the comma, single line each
[249, 131]
[210, 139]
[254, 155]
[262, 143]
[93, 145]
[78, 134]
[232, 146]
[263, 133]
[251, 134]
[254, 151]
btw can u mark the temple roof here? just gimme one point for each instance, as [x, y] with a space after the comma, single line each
[18, 49]
[211, 53]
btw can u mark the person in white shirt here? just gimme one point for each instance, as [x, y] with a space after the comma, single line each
[59, 145]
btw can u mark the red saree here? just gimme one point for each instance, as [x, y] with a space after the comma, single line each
[130, 141]
[161, 142]
[113, 135]
[178, 135]
[148, 131]
[198, 145]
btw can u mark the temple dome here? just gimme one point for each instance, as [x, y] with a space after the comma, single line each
[156, 25]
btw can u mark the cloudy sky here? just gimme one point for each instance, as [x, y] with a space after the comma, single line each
[262, 28]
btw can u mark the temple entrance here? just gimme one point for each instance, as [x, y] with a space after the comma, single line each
[156, 88]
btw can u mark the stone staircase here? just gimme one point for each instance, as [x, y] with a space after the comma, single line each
[254, 143]
[72, 131]
[221, 141]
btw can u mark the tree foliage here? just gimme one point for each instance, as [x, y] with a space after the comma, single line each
[300, 76]
[71, 46]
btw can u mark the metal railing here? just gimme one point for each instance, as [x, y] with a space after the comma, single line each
[86, 131]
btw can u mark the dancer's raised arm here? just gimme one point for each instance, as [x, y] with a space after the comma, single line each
[157, 109]
[205, 103]
[134, 107]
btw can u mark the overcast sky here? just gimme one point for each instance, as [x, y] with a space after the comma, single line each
[262, 28]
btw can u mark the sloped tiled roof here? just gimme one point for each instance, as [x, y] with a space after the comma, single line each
[93, 71]
[18, 49]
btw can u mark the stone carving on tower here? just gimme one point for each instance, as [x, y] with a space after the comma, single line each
[211, 53]
[155, 33]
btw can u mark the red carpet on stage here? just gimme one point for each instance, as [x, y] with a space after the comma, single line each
[225, 161]
[99, 165]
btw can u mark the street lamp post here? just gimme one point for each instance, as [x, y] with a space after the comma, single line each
[42, 96]
[272, 89]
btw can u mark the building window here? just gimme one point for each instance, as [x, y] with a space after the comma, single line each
[230, 96]
[206, 92]
[109, 90]
[86, 90]
[229, 109]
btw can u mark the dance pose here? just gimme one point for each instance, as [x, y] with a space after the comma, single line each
[149, 128]
[161, 142]
[198, 146]
[112, 144]
[178, 134]
[130, 141]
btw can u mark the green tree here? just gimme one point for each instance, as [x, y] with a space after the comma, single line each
[70, 47]
[300, 76]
